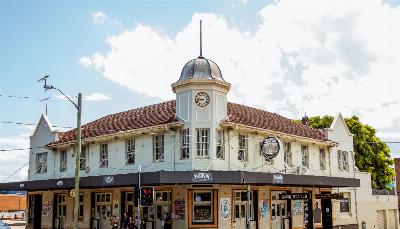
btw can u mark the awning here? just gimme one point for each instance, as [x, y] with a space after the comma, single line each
[184, 177]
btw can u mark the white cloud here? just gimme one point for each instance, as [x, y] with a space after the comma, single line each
[99, 17]
[318, 58]
[12, 160]
[96, 96]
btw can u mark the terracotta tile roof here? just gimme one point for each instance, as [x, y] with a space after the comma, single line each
[164, 113]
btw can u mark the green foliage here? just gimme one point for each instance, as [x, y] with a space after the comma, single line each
[371, 154]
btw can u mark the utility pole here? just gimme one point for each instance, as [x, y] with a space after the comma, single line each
[78, 144]
[248, 206]
[140, 199]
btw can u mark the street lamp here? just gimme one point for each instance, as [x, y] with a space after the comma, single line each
[78, 106]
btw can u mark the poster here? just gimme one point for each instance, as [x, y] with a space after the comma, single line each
[317, 212]
[47, 210]
[179, 208]
[225, 208]
[297, 207]
[264, 208]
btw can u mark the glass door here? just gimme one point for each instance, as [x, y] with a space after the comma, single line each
[162, 208]
[103, 210]
[61, 211]
[279, 210]
[241, 208]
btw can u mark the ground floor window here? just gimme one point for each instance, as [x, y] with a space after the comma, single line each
[203, 208]
[242, 205]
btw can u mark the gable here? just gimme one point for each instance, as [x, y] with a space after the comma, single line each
[43, 126]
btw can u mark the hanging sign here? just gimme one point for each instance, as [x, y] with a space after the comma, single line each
[329, 196]
[270, 147]
[294, 196]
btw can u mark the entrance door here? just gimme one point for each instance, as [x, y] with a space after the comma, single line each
[103, 210]
[241, 209]
[162, 208]
[35, 211]
[326, 206]
[128, 204]
[279, 211]
[61, 211]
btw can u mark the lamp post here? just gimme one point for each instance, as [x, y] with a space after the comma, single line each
[78, 106]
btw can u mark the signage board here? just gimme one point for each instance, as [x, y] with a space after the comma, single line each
[108, 180]
[294, 196]
[202, 177]
[329, 196]
[270, 147]
[277, 179]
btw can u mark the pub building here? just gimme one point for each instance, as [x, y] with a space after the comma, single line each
[211, 164]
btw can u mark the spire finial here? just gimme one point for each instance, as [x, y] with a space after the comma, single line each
[201, 40]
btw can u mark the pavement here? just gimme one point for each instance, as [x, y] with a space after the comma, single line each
[15, 224]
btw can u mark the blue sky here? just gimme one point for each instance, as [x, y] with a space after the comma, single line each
[252, 41]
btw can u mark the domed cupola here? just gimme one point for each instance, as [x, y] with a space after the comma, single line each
[201, 68]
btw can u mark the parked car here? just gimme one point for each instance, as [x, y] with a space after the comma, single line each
[3, 225]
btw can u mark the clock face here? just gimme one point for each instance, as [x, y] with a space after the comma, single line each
[202, 99]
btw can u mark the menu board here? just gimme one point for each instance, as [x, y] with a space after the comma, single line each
[344, 205]
[202, 213]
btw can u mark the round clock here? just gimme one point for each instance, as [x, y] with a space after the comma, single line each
[202, 99]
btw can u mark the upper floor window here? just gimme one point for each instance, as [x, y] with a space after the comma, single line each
[220, 144]
[305, 157]
[322, 159]
[242, 154]
[203, 142]
[104, 155]
[185, 144]
[41, 163]
[158, 147]
[63, 161]
[130, 151]
[84, 153]
[287, 155]
[343, 160]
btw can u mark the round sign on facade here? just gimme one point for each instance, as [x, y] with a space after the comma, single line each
[270, 147]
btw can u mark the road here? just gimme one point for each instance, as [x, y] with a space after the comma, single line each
[15, 224]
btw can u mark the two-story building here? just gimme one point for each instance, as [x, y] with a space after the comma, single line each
[209, 161]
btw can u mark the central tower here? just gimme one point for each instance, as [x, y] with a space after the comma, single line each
[201, 99]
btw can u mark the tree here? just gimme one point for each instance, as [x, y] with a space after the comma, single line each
[371, 154]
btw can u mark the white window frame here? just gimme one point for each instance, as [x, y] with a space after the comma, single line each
[83, 157]
[185, 144]
[203, 142]
[343, 160]
[41, 163]
[322, 159]
[203, 203]
[242, 147]
[104, 155]
[130, 151]
[158, 147]
[287, 153]
[63, 160]
[305, 156]
[220, 146]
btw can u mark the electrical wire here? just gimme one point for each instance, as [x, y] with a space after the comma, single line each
[33, 124]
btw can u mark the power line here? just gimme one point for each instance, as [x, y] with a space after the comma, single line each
[19, 149]
[32, 124]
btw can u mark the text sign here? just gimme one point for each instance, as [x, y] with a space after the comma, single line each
[294, 196]
[329, 196]
[202, 177]
[277, 179]
[270, 147]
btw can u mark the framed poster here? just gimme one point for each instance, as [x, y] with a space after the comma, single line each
[225, 208]
[264, 208]
[297, 207]
[317, 213]
[179, 207]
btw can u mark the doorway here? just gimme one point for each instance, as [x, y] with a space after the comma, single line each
[244, 208]
[162, 208]
[103, 210]
[128, 204]
[60, 215]
[35, 211]
[280, 212]
[326, 206]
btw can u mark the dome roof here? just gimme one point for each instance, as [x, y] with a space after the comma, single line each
[201, 68]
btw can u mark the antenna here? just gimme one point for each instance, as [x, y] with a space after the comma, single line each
[45, 99]
[45, 86]
[201, 40]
